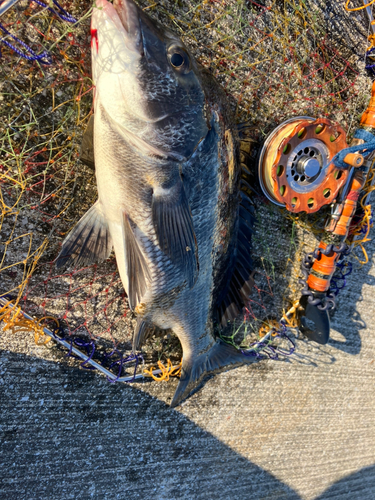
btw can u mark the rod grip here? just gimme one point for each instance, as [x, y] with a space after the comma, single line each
[322, 270]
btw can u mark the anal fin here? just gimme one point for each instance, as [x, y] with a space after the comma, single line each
[174, 228]
[141, 332]
[88, 242]
[217, 358]
[136, 265]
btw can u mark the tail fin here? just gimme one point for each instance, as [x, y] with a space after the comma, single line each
[217, 358]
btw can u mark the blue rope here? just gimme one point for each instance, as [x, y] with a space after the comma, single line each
[44, 57]
[33, 57]
[369, 146]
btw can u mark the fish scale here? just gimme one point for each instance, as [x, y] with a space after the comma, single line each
[168, 176]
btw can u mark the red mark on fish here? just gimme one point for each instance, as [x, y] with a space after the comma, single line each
[94, 37]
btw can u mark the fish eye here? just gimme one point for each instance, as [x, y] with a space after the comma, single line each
[179, 59]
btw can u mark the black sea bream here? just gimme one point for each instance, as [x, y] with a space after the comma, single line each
[168, 176]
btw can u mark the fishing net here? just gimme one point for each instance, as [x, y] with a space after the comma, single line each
[276, 59]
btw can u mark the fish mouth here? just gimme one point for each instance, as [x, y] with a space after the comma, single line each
[125, 15]
[128, 13]
[126, 10]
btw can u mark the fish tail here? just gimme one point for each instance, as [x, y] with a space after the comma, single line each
[194, 370]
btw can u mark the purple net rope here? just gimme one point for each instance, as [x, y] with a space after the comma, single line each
[369, 59]
[33, 57]
[117, 365]
[122, 361]
[263, 349]
[44, 57]
[64, 15]
[338, 280]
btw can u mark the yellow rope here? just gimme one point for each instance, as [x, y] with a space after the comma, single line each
[365, 222]
[272, 324]
[14, 320]
[290, 316]
[166, 371]
[9, 316]
[353, 9]
[371, 39]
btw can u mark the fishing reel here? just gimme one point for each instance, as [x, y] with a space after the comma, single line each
[295, 167]
[305, 164]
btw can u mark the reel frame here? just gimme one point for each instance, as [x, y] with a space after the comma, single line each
[295, 167]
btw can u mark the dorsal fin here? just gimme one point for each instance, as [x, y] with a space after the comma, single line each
[241, 281]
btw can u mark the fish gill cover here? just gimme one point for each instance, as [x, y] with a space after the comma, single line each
[275, 59]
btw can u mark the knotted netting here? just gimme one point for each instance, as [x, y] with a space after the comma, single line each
[276, 59]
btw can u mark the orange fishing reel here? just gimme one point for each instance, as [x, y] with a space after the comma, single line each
[295, 164]
[305, 164]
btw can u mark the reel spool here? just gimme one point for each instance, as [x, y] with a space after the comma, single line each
[295, 168]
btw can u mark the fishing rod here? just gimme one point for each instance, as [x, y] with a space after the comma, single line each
[6, 5]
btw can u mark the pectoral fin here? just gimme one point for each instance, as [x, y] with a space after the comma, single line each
[88, 242]
[174, 228]
[87, 146]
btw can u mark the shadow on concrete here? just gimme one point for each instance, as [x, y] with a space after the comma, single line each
[68, 434]
[360, 483]
[310, 354]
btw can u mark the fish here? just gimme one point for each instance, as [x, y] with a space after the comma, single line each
[172, 202]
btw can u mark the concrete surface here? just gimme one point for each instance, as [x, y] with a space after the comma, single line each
[302, 428]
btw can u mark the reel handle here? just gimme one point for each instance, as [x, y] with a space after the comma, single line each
[354, 159]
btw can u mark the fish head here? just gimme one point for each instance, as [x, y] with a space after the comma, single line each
[146, 79]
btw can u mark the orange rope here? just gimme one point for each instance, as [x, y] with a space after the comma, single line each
[166, 371]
